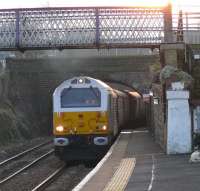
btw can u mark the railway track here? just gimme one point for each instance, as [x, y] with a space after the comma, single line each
[6, 179]
[23, 153]
[45, 183]
[38, 171]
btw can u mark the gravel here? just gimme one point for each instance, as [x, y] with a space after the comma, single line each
[17, 164]
[69, 179]
[30, 178]
[16, 147]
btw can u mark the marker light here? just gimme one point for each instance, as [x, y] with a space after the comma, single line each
[60, 128]
[80, 81]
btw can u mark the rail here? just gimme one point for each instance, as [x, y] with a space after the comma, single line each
[44, 184]
[21, 154]
[6, 179]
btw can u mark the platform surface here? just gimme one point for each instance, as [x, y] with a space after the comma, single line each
[136, 163]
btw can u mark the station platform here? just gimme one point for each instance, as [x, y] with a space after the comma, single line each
[136, 163]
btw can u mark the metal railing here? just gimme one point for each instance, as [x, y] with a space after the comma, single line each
[96, 27]
[81, 27]
[187, 27]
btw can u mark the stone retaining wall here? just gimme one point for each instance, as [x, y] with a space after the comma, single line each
[158, 116]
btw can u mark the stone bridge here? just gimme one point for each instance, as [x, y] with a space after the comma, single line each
[34, 80]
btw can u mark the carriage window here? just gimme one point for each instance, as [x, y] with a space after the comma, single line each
[80, 97]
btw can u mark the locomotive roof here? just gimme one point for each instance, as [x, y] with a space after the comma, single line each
[83, 81]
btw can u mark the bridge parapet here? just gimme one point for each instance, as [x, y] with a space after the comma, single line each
[96, 27]
[90, 27]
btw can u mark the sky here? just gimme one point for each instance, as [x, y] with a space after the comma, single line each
[52, 3]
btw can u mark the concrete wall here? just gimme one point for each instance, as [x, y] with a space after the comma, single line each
[179, 132]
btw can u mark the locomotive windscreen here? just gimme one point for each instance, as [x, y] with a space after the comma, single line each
[80, 97]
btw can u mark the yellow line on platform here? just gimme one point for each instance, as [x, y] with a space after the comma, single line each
[122, 175]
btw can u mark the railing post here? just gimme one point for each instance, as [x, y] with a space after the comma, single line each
[187, 24]
[17, 29]
[168, 32]
[97, 27]
[179, 34]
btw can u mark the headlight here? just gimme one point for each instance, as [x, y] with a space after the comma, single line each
[104, 127]
[60, 128]
[80, 81]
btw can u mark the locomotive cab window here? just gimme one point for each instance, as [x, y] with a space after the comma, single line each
[80, 97]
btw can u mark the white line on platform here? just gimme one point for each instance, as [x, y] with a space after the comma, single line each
[148, 154]
[96, 169]
[152, 174]
[144, 131]
[132, 131]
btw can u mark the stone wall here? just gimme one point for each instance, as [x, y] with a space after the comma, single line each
[32, 82]
[17, 116]
[158, 116]
[173, 54]
[194, 69]
[170, 54]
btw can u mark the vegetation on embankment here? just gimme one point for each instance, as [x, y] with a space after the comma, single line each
[17, 119]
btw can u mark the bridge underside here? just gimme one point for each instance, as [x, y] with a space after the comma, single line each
[83, 46]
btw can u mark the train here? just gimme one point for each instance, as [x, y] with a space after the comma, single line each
[88, 114]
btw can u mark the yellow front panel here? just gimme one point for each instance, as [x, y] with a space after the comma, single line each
[80, 122]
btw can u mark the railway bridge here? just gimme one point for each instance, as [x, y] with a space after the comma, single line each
[41, 47]
[32, 35]
[85, 27]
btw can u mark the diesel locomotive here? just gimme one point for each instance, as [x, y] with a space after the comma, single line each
[88, 115]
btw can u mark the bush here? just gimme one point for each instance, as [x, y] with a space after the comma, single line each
[171, 74]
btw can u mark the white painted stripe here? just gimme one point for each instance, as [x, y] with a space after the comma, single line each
[126, 131]
[96, 169]
[132, 131]
[81, 109]
[152, 174]
[148, 154]
[144, 131]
